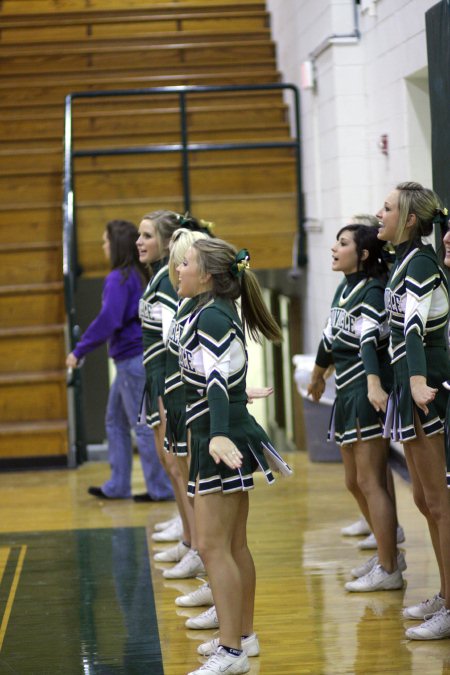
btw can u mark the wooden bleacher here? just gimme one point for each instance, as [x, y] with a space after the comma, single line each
[50, 48]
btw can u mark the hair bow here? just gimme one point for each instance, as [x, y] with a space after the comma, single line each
[241, 263]
[183, 220]
[440, 216]
[208, 225]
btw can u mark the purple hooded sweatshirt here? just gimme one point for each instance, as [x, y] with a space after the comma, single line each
[118, 321]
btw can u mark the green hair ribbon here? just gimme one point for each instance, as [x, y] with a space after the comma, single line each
[440, 217]
[184, 220]
[241, 263]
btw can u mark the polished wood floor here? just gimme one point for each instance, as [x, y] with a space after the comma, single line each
[306, 621]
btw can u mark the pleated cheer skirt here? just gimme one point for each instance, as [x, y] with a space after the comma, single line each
[447, 435]
[206, 476]
[400, 417]
[353, 417]
[154, 390]
[176, 433]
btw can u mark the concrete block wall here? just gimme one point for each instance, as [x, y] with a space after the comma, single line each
[364, 89]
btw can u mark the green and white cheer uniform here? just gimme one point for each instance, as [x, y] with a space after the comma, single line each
[174, 393]
[417, 305]
[355, 340]
[447, 420]
[156, 310]
[213, 364]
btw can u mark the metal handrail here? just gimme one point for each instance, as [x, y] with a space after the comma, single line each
[70, 262]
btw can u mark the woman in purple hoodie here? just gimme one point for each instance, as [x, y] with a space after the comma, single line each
[118, 324]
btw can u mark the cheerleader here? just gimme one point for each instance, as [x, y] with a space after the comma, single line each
[184, 553]
[446, 241]
[361, 526]
[227, 444]
[355, 339]
[156, 310]
[417, 305]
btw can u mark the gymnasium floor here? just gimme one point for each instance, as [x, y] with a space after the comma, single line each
[81, 595]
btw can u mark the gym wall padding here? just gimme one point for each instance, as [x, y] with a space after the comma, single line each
[438, 46]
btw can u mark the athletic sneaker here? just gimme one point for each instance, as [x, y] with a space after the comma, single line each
[376, 580]
[207, 619]
[189, 566]
[371, 542]
[360, 527]
[201, 596]
[163, 525]
[436, 628]
[223, 662]
[172, 554]
[171, 533]
[249, 644]
[367, 566]
[425, 608]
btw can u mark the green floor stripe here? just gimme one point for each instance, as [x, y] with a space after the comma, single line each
[84, 605]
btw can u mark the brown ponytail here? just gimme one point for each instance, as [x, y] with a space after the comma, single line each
[218, 258]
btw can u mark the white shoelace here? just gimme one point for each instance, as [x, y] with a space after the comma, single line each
[209, 612]
[216, 659]
[194, 595]
[187, 559]
[212, 644]
[374, 571]
[430, 601]
[437, 616]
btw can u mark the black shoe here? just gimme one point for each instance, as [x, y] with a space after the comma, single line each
[143, 497]
[98, 492]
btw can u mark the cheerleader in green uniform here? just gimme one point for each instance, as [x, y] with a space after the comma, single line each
[227, 444]
[360, 526]
[417, 305]
[156, 310]
[446, 241]
[185, 552]
[355, 339]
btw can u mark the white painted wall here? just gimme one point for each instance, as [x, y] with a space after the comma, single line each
[374, 86]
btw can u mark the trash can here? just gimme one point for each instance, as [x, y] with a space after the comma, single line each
[316, 415]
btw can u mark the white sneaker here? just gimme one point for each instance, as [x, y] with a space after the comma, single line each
[163, 525]
[207, 619]
[436, 628]
[223, 662]
[423, 608]
[363, 569]
[172, 554]
[189, 566]
[249, 644]
[201, 596]
[370, 541]
[171, 533]
[367, 566]
[376, 580]
[360, 527]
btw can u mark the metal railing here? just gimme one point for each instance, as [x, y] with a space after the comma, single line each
[185, 147]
